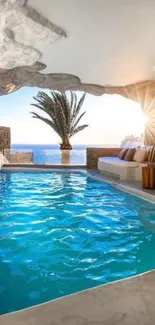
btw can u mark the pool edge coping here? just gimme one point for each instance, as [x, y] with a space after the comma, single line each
[125, 188]
[85, 291]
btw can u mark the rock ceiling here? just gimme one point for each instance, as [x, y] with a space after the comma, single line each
[99, 42]
[21, 29]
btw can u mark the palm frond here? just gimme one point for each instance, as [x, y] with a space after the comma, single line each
[48, 122]
[72, 99]
[78, 129]
[80, 103]
[78, 120]
[74, 108]
[77, 108]
[63, 112]
[49, 106]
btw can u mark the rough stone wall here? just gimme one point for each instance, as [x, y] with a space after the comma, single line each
[3, 160]
[19, 157]
[22, 30]
[93, 154]
[5, 138]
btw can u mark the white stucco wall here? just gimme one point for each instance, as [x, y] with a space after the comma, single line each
[108, 41]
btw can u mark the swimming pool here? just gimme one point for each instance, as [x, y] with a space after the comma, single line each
[62, 232]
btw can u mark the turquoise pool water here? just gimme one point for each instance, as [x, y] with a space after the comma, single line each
[63, 232]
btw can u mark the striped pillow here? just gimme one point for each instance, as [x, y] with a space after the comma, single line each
[130, 154]
[151, 156]
[122, 153]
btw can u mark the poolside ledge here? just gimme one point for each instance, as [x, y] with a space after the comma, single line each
[92, 155]
[126, 302]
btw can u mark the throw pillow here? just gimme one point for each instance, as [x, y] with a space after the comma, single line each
[122, 153]
[140, 155]
[129, 155]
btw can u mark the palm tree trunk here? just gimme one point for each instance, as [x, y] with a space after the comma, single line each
[65, 157]
[65, 145]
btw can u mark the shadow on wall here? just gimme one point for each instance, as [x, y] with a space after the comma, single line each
[3, 160]
[18, 157]
[5, 138]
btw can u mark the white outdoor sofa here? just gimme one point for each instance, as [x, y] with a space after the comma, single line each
[125, 170]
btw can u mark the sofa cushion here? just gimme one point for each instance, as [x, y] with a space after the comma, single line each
[122, 154]
[129, 155]
[115, 161]
[140, 155]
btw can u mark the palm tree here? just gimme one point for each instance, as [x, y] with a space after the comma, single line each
[63, 112]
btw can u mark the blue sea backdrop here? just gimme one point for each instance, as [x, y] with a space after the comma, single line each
[50, 154]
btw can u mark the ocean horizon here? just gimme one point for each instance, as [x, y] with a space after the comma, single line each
[51, 154]
[56, 146]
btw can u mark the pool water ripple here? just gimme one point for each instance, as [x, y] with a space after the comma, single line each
[63, 232]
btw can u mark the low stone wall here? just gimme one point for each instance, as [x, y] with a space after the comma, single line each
[93, 154]
[5, 138]
[3, 160]
[19, 157]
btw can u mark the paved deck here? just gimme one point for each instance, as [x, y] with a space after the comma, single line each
[127, 302]
[133, 187]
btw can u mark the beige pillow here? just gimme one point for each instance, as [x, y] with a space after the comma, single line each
[140, 155]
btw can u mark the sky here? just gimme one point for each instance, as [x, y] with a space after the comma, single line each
[110, 119]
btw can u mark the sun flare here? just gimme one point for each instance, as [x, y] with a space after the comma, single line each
[145, 119]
